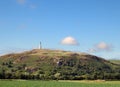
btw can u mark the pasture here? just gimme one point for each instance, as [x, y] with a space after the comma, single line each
[25, 83]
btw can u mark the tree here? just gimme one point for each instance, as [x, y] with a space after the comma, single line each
[57, 76]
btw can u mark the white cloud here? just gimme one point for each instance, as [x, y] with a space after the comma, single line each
[21, 1]
[69, 41]
[102, 46]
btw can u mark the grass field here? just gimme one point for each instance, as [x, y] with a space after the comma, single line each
[23, 83]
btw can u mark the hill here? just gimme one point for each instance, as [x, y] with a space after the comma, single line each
[56, 64]
[115, 61]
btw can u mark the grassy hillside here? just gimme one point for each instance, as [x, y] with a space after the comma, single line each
[115, 61]
[56, 64]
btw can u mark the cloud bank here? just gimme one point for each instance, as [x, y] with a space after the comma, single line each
[69, 41]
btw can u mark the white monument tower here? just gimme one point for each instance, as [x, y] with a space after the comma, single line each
[40, 45]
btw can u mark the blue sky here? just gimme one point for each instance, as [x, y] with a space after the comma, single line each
[94, 24]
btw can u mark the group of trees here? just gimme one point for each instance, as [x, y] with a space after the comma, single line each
[58, 73]
[59, 76]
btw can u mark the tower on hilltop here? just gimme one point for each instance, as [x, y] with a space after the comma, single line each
[40, 45]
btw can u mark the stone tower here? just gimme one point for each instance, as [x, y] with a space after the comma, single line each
[40, 45]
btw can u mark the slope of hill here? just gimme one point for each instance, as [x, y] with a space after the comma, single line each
[55, 64]
[115, 61]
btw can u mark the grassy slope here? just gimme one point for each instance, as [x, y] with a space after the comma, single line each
[48, 57]
[115, 61]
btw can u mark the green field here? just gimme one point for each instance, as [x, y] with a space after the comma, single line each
[23, 83]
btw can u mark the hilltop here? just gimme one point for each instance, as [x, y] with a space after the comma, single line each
[56, 64]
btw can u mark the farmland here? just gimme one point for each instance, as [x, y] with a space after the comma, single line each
[25, 83]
